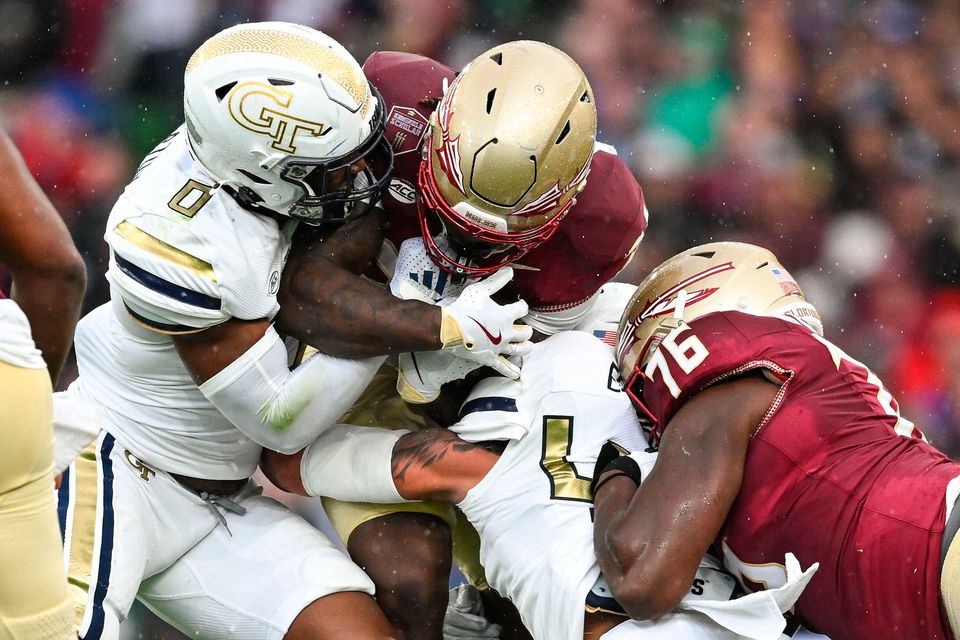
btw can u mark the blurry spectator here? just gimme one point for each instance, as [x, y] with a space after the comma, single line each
[925, 371]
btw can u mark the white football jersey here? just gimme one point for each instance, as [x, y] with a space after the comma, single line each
[533, 510]
[184, 256]
[16, 342]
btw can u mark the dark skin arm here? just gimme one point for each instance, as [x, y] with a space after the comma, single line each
[206, 353]
[49, 276]
[325, 304]
[650, 540]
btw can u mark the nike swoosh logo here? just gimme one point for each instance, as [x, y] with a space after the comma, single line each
[495, 339]
[413, 356]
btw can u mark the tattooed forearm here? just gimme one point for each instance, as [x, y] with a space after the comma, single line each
[427, 448]
[326, 304]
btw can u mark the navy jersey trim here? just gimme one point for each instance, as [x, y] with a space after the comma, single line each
[63, 503]
[489, 403]
[172, 329]
[165, 287]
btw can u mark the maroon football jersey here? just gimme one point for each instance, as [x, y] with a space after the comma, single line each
[593, 242]
[834, 475]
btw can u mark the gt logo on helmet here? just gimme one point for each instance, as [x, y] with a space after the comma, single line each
[263, 109]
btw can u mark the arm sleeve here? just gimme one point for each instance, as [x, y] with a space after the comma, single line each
[285, 410]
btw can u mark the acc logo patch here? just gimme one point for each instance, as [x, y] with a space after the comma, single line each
[274, 282]
[405, 129]
[402, 191]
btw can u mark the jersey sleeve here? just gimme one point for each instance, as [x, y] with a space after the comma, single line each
[713, 348]
[164, 274]
[592, 245]
[494, 410]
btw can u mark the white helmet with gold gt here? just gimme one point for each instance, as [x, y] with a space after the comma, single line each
[282, 116]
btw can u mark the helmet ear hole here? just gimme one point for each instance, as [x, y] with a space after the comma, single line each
[490, 96]
[222, 92]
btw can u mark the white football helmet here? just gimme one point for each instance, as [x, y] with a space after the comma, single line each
[282, 116]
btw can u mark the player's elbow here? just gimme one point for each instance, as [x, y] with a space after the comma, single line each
[643, 586]
[644, 599]
[61, 269]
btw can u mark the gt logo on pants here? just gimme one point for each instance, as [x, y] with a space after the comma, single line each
[135, 462]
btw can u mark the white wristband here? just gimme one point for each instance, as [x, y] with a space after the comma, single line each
[353, 464]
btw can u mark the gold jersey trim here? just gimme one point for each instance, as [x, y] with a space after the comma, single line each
[157, 247]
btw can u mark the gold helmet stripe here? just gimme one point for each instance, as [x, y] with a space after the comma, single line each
[291, 46]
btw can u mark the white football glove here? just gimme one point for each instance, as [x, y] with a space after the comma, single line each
[464, 619]
[421, 375]
[477, 328]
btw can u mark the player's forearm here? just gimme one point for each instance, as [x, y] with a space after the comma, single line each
[344, 315]
[620, 547]
[51, 300]
[434, 464]
[285, 410]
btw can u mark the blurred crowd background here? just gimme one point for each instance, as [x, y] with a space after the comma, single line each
[826, 130]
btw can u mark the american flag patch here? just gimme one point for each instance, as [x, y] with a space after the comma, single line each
[606, 337]
[787, 283]
[780, 274]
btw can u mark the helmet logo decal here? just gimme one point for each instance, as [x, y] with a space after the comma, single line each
[448, 155]
[666, 303]
[262, 108]
[405, 129]
[550, 199]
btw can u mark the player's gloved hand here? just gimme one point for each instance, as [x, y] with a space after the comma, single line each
[464, 619]
[477, 328]
[421, 375]
[619, 462]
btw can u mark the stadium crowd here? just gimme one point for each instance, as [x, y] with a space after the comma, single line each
[825, 131]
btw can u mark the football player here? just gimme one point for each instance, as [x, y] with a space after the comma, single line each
[519, 464]
[36, 329]
[772, 439]
[499, 165]
[281, 128]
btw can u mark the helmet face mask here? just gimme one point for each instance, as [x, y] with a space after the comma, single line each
[345, 187]
[482, 250]
[721, 276]
[510, 147]
[282, 116]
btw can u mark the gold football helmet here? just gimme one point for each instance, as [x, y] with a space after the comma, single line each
[510, 148]
[721, 276]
